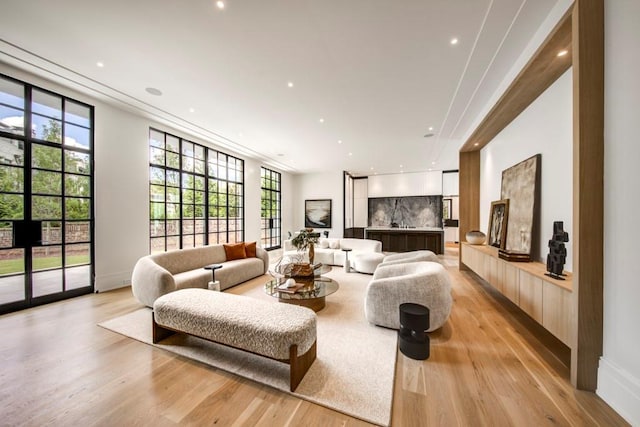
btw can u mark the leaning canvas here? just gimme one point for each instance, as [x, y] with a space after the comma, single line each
[521, 184]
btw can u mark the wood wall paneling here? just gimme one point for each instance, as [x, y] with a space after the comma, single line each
[588, 190]
[469, 181]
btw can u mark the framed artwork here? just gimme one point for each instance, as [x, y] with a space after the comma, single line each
[498, 221]
[521, 185]
[317, 213]
[446, 209]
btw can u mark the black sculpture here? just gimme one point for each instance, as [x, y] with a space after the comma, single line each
[557, 252]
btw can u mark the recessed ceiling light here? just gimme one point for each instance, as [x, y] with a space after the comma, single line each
[220, 4]
[153, 91]
[100, 64]
[433, 163]
[371, 167]
[563, 52]
[351, 154]
[290, 84]
[339, 141]
[454, 41]
[430, 128]
[321, 120]
[401, 166]
[476, 144]
[192, 110]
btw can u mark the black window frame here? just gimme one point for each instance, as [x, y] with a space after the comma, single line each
[183, 203]
[270, 217]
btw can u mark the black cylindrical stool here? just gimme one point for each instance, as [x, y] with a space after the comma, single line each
[414, 322]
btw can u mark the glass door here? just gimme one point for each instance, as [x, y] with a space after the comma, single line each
[46, 196]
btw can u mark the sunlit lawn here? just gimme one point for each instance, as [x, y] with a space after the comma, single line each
[9, 266]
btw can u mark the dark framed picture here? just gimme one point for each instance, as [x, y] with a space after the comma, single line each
[446, 209]
[498, 216]
[317, 213]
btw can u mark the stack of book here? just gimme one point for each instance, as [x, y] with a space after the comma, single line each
[289, 288]
[514, 256]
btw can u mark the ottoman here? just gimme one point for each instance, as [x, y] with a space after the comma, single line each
[367, 262]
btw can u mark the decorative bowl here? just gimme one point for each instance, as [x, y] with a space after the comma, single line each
[475, 237]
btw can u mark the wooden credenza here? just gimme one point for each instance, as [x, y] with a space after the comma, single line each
[408, 239]
[546, 300]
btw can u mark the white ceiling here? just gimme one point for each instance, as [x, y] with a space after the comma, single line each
[379, 73]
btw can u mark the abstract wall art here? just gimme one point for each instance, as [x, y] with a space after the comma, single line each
[317, 213]
[521, 185]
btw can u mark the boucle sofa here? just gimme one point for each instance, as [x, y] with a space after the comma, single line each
[329, 250]
[412, 256]
[424, 283]
[158, 274]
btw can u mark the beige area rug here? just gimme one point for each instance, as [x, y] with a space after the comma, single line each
[355, 365]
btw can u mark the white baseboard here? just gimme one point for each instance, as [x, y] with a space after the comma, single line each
[620, 390]
[107, 282]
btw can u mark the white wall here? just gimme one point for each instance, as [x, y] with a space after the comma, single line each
[619, 372]
[544, 127]
[122, 186]
[327, 185]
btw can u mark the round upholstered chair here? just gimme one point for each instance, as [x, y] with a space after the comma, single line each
[412, 256]
[425, 283]
[367, 262]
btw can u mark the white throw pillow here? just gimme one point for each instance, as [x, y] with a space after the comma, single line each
[334, 244]
[323, 244]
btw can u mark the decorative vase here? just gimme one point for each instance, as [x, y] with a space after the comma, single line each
[312, 253]
[475, 237]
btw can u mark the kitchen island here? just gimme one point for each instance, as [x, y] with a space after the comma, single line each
[396, 239]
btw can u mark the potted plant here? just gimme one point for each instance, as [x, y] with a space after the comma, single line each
[304, 240]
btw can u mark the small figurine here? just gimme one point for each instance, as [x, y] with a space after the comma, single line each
[557, 252]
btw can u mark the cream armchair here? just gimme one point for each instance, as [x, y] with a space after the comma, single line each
[425, 283]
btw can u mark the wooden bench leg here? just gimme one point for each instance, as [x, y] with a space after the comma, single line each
[299, 365]
[159, 333]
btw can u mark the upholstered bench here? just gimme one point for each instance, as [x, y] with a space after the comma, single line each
[283, 332]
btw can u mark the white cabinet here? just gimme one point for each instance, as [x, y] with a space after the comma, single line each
[450, 182]
[433, 183]
[360, 202]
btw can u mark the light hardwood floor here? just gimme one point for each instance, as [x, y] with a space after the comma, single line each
[486, 369]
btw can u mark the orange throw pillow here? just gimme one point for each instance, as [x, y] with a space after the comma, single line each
[250, 249]
[234, 251]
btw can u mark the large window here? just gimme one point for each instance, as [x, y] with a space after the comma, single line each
[270, 212]
[196, 194]
[46, 196]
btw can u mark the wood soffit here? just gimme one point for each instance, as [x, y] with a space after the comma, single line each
[544, 68]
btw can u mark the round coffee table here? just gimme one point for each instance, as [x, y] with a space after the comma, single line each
[312, 295]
